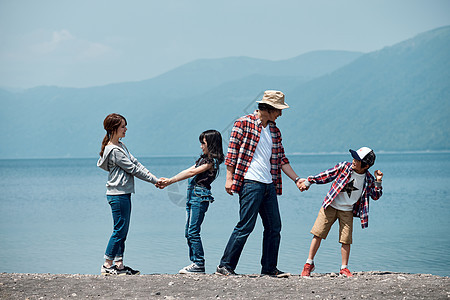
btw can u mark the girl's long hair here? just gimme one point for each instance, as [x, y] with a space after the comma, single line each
[111, 124]
[214, 142]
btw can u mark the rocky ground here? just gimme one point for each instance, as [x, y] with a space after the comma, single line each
[365, 285]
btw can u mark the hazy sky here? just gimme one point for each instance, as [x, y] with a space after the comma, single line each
[87, 42]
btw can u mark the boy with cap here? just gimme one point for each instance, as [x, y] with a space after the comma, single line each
[348, 197]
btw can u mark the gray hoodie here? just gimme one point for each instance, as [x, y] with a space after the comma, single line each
[122, 168]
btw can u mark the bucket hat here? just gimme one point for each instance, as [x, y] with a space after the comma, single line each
[275, 99]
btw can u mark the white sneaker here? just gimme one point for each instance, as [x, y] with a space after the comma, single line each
[192, 268]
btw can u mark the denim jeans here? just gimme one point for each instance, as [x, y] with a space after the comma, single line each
[198, 199]
[254, 198]
[121, 212]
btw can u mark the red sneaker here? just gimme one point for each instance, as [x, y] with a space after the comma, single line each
[307, 269]
[346, 272]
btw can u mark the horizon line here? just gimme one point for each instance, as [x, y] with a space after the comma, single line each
[287, 154]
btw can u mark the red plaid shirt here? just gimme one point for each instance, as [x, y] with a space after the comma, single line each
[342, 173]
[243, 140]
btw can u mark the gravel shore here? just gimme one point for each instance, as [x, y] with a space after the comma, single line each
[364, 285]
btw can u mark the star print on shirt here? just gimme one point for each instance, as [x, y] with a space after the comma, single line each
[349, 188]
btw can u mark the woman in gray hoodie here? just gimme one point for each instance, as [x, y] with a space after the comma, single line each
[122, 167]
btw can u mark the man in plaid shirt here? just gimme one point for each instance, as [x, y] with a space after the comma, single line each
[348, 197]
[254, 162]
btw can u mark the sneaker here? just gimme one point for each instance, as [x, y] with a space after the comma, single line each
[112, 271]
[130, 271]
[346, 272]
[224, 271]
[307, 269]
[192, 268]
[276, 273]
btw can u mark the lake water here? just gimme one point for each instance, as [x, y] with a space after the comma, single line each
[55, 219]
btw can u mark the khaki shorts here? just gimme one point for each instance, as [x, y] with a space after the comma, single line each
[327, 217]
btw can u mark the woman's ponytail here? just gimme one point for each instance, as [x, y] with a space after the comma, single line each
[111, 124]
[104, 143]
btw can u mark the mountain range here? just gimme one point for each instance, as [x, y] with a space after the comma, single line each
[393, 99]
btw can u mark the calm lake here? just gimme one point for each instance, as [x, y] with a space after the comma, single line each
[55, 218]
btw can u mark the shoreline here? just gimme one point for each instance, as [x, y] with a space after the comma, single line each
[364, 285]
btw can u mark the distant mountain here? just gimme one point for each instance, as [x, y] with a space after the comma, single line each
[393, 99]
[67, 122]
[397, 98]
[201, 75]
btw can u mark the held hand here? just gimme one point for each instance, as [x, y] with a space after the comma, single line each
[163, 182]
[301, 185]
[378, 175]
[158, 182]
[228, 185]
[167, 181]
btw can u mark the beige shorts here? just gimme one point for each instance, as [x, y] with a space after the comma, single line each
[327, 217]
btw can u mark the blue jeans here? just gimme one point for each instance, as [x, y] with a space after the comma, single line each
[121, 212]
[197, 204]
[254, 198]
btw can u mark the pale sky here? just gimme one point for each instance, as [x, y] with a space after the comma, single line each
[83, 43]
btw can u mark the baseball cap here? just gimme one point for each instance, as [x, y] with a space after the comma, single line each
[364, 154]
[360, 153]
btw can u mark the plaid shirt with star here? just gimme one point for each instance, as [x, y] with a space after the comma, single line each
[341, 174]
[244, 138]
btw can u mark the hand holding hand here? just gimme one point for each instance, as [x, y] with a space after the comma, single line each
[378, 175]
[158, 184]
[157, 181]
[301, 185]
[162, 183]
